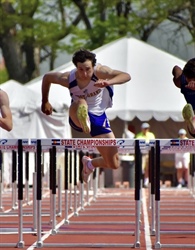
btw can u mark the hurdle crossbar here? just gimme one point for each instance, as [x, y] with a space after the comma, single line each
[124, 146]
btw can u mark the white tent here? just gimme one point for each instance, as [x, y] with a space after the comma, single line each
[28, 120]
[151, 92]
[58, 96]
[150, 95]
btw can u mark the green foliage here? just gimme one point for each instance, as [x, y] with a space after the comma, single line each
[66, 25]
[3, 76]
[44, 24]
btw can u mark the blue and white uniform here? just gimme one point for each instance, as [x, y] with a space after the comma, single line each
[188, 93]
[98, 100]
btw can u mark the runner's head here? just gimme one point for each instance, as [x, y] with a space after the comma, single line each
[189, 69]
[83, 55]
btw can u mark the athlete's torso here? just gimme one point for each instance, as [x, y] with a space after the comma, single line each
[188, 93]
[98, 99]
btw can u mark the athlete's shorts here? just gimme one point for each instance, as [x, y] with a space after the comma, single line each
[182, 161]
[99, 125]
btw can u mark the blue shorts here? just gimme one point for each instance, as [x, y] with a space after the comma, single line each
[99, 125]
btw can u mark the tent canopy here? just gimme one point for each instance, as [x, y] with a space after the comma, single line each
[59, 96]
[151, 92]
[28, 120]
[21, 99]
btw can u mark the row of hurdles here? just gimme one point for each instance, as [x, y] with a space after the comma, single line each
[73, 151]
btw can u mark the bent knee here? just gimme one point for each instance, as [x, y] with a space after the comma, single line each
[114, 163]
[115, 166]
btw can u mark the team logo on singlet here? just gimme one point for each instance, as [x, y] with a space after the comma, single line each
[86, 94]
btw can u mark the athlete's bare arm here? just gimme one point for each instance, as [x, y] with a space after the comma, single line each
[177, 72]
[48, 79]
[191, 85]
[108, 76]
[6, 119]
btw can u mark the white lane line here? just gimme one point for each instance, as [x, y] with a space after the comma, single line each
[34, 245]
[146, 222]
[25, 204]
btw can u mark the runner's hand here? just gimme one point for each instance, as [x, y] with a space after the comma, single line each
[191, 85]
[46, 108]
[101, 83]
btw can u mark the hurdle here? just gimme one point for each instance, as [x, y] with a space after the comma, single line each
[14, 173]
[152, 189]
[132, 146]
[20, 243]
[192, 174]
[137, 244]
[17, 145]
[1, 180]
[14, 203]
[27, 177]
[168, 146]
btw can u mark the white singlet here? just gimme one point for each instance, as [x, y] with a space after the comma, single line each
[98, 99]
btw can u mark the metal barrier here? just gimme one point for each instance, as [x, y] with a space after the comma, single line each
[159, 147]
[74, 146]
[73, 151]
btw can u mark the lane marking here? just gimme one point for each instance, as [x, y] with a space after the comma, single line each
[44, 237]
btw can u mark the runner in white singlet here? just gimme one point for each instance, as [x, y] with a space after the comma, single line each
[91, 90]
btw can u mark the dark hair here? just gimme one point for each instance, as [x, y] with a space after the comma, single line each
[82, 55]
[189, 69]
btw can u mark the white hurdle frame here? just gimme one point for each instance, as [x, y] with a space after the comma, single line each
[169, 146]
[124, 145]
[30, 145]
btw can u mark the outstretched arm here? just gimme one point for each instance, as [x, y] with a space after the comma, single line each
[108, 76]
[177, 72]
[191, 85]
[48, 79]
[6, 119]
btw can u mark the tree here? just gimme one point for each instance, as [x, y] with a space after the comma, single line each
[29, 33]
[32, 31]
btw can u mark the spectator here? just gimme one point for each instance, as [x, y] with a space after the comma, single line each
[182, 161]
[146, 135]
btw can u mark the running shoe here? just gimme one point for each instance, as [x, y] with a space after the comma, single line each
[82, 114]
[179, 185]
[86, 171]
[188, 115]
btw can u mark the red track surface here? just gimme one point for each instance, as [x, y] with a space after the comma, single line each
[108, 221]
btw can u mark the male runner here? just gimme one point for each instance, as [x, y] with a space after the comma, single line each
[91, 90]
[185, 80]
